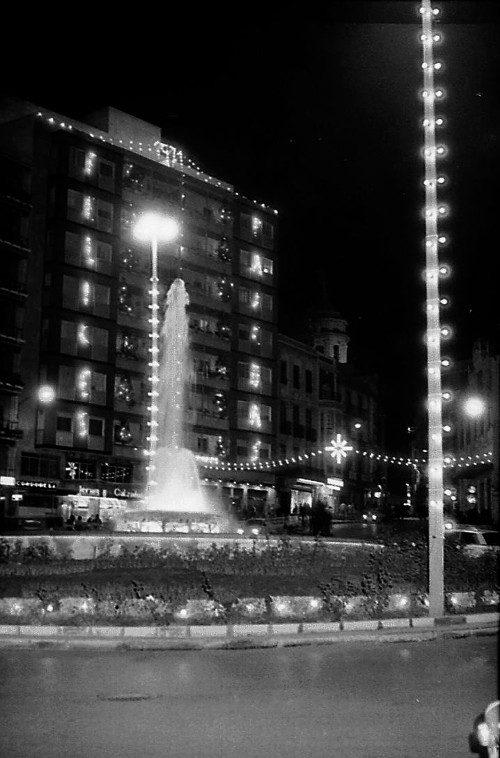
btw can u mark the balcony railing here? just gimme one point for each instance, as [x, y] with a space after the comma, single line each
[9, 430]
[11, 335]
[10, 382]
[13, 287]
[21, 245]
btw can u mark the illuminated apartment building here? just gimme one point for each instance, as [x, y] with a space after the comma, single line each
[76, 307]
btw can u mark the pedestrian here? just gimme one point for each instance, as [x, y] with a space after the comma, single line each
[79, 524]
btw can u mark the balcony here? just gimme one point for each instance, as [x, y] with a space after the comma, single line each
[206, 419]
[11, 335]
[262, 388]
[137, 320]
[13, 289]
[255, 348]
[11, 383]
[198, 296]
[10, 432]
[265, 427]
[20, 246]
[205, 259]
[137, 408]
[208, 338]
[129, 452]
[133, 362]
[14, 193]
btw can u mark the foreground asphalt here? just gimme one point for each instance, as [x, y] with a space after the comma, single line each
[221, 637]
[358, 700]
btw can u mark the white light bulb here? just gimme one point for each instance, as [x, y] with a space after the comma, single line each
[439, 122]
[438, 65]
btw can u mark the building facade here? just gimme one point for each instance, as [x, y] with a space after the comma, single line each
[325, 403]
[471, 483]
[76, 312]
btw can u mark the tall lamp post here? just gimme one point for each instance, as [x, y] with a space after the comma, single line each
[153, 227]
[434, 332]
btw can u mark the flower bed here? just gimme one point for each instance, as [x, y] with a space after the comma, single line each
[227, 584]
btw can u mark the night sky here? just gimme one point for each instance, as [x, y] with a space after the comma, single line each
[314, 110]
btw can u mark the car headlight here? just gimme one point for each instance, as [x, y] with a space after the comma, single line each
[374, 517]
[483, 733]
[255, 531]
[365, 517]
[239, 531]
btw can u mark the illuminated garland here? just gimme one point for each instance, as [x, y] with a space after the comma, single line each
[213, 463]
[167, 155]
[433, 212]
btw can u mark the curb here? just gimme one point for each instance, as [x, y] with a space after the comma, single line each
[244, 636]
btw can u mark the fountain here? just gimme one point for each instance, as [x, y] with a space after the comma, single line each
[175, 500]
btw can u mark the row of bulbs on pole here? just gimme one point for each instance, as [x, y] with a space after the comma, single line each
[437, 211]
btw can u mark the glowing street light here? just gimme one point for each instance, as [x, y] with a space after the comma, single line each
[474, 407]
[46, 394]
[153, 228]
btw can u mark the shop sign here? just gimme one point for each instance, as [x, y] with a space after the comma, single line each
[37, 485]
[91, 491]
[118, 492]
[335, 482]
[7, 481]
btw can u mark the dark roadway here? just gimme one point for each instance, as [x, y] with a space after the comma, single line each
[371, 699]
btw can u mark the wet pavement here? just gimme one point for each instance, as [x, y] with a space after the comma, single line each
[370, 700]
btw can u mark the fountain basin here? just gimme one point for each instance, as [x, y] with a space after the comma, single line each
[167, 522]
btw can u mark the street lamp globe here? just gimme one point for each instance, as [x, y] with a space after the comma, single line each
[153, 226]
[46, 394]
[474, 407]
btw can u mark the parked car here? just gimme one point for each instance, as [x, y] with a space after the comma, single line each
[474, 540]
[484, 738]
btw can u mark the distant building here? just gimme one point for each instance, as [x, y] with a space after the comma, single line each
[473, 480]
[322, 400]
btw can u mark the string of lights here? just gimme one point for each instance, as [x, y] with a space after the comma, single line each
[449, 461]
[159, 151]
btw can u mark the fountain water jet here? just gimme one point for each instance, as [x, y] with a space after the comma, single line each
[174, 488]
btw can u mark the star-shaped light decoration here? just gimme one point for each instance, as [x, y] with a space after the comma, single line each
[339, 448]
